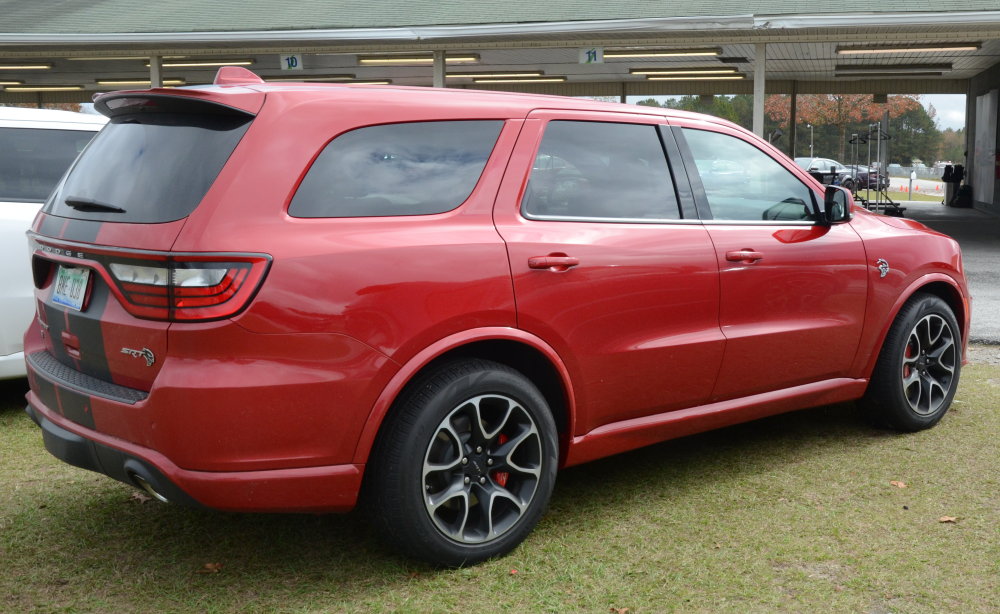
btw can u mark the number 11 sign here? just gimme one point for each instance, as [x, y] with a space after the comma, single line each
[592, 55]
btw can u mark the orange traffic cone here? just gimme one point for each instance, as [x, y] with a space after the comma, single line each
[938, 187]
[916, 188]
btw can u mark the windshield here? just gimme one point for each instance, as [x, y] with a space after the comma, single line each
[150, 166]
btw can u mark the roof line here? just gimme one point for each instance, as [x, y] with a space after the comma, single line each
[445, 32]
[414, 33]
[953, 18]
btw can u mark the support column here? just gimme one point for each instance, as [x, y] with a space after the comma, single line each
[155, 71]
[793, 113]
[760, 60]
[439, 68]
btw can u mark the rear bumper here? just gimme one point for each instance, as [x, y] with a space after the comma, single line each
[310, 489]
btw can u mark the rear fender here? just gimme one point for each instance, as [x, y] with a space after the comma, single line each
[413, 366]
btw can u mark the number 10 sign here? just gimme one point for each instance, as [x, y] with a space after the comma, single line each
[291, 61]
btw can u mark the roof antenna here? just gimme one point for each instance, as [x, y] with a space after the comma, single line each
[236, 75]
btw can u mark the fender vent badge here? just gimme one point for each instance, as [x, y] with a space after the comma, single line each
[883, 267]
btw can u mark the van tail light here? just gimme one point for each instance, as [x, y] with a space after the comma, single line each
[187, 288]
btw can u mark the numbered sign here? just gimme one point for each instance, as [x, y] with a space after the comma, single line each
[291, 61]
[592, 55]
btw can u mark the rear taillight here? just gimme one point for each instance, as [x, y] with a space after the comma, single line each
[187, 288]
[171, 286]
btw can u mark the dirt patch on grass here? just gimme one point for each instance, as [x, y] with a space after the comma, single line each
[984, 354]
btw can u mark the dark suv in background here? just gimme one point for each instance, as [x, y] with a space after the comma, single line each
[852, 177]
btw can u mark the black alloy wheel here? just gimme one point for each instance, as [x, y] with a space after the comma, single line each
[466, 465]
[917, 373]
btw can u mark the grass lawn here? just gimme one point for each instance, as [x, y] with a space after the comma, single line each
[796, 513]
[901, 196]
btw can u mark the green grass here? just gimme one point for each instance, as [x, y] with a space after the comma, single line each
[899, 196]
[791, 514]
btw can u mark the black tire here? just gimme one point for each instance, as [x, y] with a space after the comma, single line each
[917, 372]
[449, 492]
[849, 185]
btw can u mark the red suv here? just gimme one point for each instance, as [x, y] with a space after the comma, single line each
[258, 297]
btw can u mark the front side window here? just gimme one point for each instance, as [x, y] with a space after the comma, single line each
[415, 168]
[743, 183]
[600, 170]
[32, 160]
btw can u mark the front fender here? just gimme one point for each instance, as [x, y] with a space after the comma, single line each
[868, 355]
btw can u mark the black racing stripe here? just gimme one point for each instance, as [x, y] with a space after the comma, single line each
[51, 226]
[86, 325]
[55, 317]
[84, 231]
[75, 407]
[46, 391]
[60, 399]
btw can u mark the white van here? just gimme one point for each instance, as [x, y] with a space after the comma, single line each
[36, 148]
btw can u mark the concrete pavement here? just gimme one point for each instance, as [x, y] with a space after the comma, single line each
[978, 233]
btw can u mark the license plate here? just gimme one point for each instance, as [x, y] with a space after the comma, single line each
[71, 286]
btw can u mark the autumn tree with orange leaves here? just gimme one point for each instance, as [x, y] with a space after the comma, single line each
[837, 110]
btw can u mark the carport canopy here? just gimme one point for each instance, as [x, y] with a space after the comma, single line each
[62, 52]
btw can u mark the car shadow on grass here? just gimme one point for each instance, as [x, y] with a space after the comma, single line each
[12, 393]
[170, 546]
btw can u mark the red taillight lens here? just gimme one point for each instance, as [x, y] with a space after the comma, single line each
[188, 288]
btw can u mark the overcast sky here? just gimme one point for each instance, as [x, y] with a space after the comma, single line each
[950, 109]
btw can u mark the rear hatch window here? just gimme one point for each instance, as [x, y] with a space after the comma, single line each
[33, 159]
[152, 163]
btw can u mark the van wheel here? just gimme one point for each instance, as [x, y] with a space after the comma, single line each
[466, 464]
[917, 372]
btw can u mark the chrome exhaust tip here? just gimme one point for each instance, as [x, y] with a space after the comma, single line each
[147, 487]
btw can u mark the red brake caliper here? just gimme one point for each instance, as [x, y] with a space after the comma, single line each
[908, 354]
[501, 477]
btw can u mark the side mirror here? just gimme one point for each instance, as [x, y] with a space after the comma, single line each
[836, 205]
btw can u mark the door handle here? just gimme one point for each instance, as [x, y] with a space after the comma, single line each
[554, 262]
[748, 256]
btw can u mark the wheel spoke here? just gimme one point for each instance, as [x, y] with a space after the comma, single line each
[937, 356]
[430, 466]
[507, 451]
[501, 514]
[454, 500]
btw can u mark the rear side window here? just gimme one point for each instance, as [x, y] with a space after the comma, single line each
[397, 169]
[32, 160]
[152, 163]
[600, 171]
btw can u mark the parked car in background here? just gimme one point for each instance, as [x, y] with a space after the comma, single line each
[852, 177]
[36, 148]
[433, 299]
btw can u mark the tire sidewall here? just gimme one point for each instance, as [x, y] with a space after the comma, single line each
[429, 405]
[897, 408]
